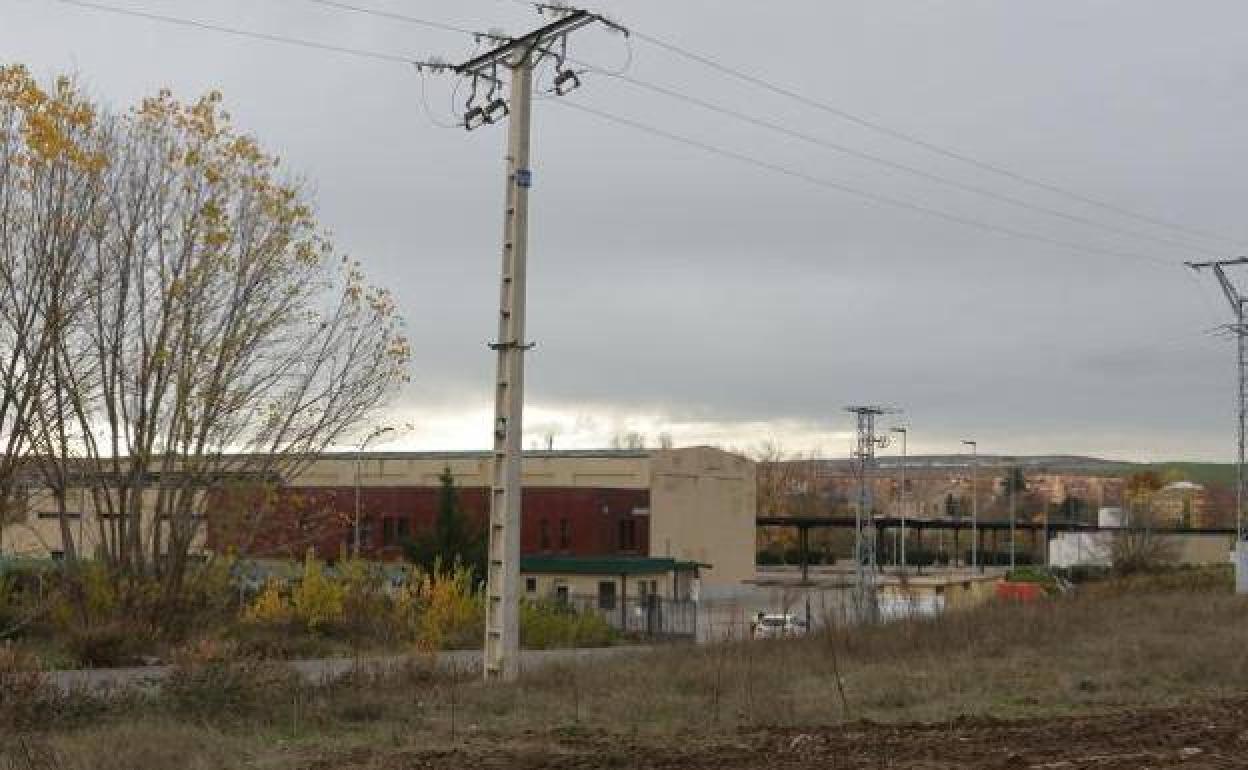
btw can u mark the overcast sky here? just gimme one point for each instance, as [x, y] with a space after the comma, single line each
[674, 290]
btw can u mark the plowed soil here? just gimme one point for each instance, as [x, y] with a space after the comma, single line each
[1206, 735]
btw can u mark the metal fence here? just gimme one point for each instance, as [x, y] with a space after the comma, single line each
[652, 616]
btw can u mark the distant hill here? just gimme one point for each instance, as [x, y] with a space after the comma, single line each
[1202, 473]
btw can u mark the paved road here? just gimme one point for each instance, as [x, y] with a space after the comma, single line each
[324, 669]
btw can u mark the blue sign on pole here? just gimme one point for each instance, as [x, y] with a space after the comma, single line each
[524, 178]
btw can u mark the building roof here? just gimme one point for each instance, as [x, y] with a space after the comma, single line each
[475, 454]
[604, 565]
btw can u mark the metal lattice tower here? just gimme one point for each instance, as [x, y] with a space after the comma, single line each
[865, 562]
[1239, 330]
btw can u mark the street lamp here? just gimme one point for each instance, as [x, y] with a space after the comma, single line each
[377, 432]
[1012, 478]
[904, 436]
[974, 445]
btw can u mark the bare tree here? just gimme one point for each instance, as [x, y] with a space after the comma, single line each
[211, 336]
[788, 485]
[52, 164]
[1139, 548]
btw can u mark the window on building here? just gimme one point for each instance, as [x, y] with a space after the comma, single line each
[366, 533]
[628, 535]
[530, 585]
[565, 535]
[543, 530]
[561, 593]
[606, 595]
[395, 532]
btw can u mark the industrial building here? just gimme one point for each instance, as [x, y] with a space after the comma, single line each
[690, 512]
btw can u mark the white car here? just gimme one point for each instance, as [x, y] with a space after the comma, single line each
[776, 626]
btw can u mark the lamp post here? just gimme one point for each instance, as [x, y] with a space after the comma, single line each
[974, 445]
[359, 450]
[1012, 476]
[904, 436]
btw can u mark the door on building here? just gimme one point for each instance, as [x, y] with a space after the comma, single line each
[606, 595]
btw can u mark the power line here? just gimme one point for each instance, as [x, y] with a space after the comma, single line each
[873, 197]
[878, 160]
[858, 193]
[808, 138]
[443, 26]
[918, 142]
[195, 24]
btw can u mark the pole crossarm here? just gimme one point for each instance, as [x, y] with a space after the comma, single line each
[524, 45]
[1219, 270]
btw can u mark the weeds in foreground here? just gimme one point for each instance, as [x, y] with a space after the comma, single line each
[1081, 653]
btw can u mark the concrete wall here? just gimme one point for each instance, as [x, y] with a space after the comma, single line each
[703, 508]
[1200, 549]
[37, 531]
[613, 470]
[1096, 549]
[581, 586]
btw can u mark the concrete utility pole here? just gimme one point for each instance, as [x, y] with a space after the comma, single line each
[864, 539]
[974, 502]
[520, 56]
[1239, 330]
[902, 500]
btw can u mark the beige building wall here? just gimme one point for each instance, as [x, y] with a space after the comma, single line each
[615, 470]
[702, 500]
[545, 586]
[1198, 549]
[37, 534]
[703, 508]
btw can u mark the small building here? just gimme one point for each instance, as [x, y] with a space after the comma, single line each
[642, 594]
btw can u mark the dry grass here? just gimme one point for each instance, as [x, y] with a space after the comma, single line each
[1157, 644]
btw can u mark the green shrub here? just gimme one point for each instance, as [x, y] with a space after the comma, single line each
[547, 625]
[1030, 575]
[769, 558]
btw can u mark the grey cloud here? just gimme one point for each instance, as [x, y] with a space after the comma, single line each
[666, 281]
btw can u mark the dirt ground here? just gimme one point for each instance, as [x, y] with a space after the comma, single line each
[1207, 735]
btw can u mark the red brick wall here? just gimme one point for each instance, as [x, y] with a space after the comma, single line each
[576, 521]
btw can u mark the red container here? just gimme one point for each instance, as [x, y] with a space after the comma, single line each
[1020, 592]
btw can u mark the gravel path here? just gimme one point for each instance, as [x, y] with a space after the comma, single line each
[320, 670]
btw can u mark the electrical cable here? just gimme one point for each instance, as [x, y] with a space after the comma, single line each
[918, 142]
[194, 24]
[424, 100]
[443, 26]
[620, 74]
[858, 193]
[874, 197]
[937, 178]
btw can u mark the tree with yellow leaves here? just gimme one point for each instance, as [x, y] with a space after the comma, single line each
[202, 329]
